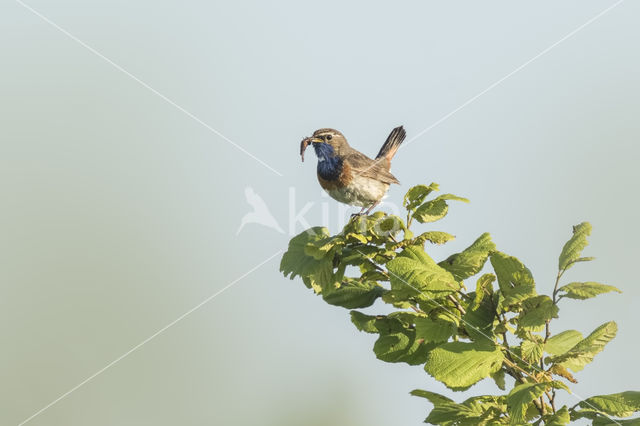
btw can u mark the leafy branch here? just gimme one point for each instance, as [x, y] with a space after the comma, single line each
[461, 337]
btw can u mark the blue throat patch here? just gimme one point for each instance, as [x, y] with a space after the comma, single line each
[329, 165]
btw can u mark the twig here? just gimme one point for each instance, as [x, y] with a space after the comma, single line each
[457, 304]
[555, 302]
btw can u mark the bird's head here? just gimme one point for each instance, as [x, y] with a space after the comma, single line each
[325, 142]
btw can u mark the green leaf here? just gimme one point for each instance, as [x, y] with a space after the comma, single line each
[515, 280]
[431, 211]
[498, 377]
[416, 195]
[573, 248]
[535, 313]
[295, 261]
[435, 209]
[479, 410]
[606, 421]
[435, 237]
[584, 351]
[364, 322]
[585, 290]
[398, 341]
[450, 413]
[622, 404]
[560, 418]
[471, 260]
[323, 247]
[413, 273]
[522, 395]
[353, 294]
[599, 419]
[531, 351]
[434, 398]
[460, 365]
[434, 331]
[562, 342]
[478, 321]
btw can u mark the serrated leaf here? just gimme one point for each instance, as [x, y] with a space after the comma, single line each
[413, 273]
[535, 313]
[401, 346]
[364, 322]
[478, 321]
[450, 413]
[471, 260]
[522, 395]
[323, 247]
[515, 280]
[435, 237]
[531, 351]
[435, 209]
[484, 290]
[417, 194]
[431, 211]
[498, 377]
[560, 418]
[460, 365]
[585, 290]
[623, 404]
[479, 410]
[434, 331]
[584, 351]
[353, 294]
[562, 342]
[602, 420]
[397, 341]
[573, 248]
[432, 397]
[315, 273]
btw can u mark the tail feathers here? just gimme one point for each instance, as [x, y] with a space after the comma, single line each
[392, 144]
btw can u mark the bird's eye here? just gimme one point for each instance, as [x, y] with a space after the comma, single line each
[329, 137]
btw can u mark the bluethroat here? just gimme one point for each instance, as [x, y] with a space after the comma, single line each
[348, 175]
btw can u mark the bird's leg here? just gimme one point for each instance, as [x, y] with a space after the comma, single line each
[360, 213]
[371, 207]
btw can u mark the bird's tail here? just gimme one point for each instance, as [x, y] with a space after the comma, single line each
[392, 144]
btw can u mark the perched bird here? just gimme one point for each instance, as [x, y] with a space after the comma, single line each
[348, 175]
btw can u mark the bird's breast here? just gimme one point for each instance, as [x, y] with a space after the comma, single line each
[334, 176]
[352, 188]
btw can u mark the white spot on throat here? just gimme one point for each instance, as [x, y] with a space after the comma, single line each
[321, 159]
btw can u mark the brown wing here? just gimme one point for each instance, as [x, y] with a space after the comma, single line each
[365, 166]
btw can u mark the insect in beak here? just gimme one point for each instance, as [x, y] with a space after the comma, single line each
[305, 143]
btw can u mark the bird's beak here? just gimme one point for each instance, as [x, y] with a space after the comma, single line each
[306, 142]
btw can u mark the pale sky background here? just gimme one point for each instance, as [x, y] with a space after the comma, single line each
[119, 211]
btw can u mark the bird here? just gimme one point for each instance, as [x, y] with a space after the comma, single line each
[348, 175]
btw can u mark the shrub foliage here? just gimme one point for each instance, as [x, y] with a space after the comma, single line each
[459, 325]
